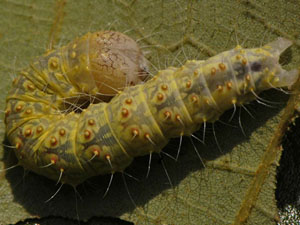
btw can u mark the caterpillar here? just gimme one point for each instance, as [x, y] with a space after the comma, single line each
[65, 141]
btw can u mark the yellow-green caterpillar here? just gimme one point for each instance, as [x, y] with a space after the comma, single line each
[60, 140]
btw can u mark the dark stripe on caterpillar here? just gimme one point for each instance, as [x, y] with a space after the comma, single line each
[52, 140]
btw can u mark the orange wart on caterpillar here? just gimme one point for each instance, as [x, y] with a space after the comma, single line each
[61, 128]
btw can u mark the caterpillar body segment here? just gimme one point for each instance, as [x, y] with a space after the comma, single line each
[105, 137]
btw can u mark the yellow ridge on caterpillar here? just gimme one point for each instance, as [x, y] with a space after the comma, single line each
[73, 145]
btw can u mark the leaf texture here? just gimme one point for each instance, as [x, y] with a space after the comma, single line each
[237, 181]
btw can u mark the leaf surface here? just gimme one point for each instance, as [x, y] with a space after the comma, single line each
[236, 185]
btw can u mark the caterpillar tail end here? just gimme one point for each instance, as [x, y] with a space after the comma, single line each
[283, 78]
[278, 46]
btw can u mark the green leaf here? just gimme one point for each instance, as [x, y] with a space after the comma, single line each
[237, 184]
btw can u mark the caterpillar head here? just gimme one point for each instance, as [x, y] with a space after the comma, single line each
[265, 68]
[104, 63]
[117, 62]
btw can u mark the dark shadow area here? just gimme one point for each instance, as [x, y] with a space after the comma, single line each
[63, 221]
[31, 190]
[288, 172]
